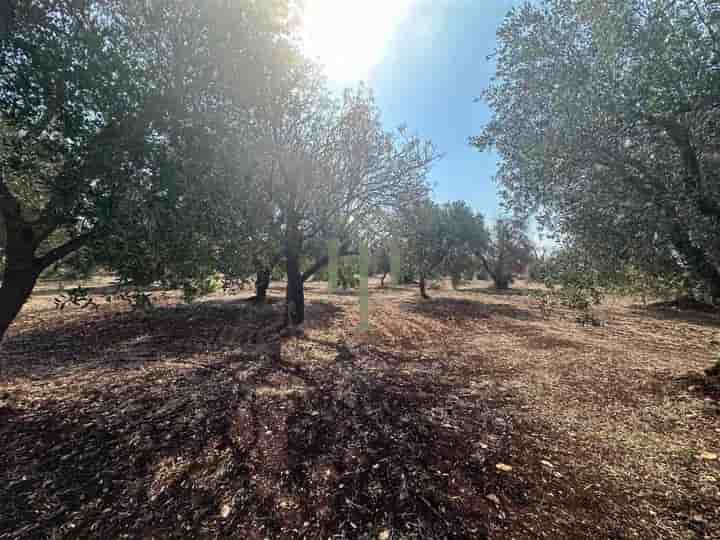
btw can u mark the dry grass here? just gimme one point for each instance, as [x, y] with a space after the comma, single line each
[203, 422]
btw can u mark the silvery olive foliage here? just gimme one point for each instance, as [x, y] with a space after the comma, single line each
[607, 118]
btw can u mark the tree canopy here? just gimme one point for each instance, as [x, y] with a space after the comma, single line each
[118, 121]
[174, 140]
[606, 120]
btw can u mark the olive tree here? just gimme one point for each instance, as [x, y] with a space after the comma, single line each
[437, 238]
[110, 115]
[507, 252]
[327, 168]
[606, 117]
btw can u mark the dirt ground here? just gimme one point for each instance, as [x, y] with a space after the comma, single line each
[464, 416]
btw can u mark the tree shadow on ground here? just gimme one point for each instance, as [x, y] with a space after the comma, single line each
[491, 291]
[463, 309]
[124, 339]
[277, 447]
[55, 287]
[702, 386]
[700, 314]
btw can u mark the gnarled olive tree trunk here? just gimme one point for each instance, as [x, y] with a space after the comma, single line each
[423, 287]
[262, 283]
[22, 266]
[21, 273]
[294, 293]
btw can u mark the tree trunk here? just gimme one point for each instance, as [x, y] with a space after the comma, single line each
[382, 280]
[502, 283]
[423, 291]
[295, 294]
[15, 290]
[262, 282]
[697, 260]
[21, 272]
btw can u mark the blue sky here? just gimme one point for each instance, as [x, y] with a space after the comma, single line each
[435, 67]
[426, 60]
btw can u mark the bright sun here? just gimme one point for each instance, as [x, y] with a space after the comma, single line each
[350, 37]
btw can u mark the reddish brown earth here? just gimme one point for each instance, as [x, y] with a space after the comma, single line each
[465, 416]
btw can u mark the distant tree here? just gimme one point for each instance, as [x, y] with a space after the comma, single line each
[381, 261]
[467, 237]
[326, 169]
[438, 238]
[508, 251]
[607, 119]
[423, 231]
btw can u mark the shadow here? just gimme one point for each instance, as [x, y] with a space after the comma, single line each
[287, 445]
[490, 291]
[60, 286]
[100, 290]
[463, 309]
[124, 445]
[117, 340]
[694, 313]
[702, 386]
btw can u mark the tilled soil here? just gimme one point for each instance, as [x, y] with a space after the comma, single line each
[464, 416]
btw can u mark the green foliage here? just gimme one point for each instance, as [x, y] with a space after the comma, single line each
[507, 252]
[124, 129]
[606, 118]
[571, 280]
[176, 140]
[193, 289]
[442, 239]
[349, 272]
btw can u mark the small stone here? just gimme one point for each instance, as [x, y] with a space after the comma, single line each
[384, 535]
[709, 456]
[503, 467]
[494, 498]
[225, 511]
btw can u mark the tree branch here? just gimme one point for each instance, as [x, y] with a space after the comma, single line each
[60, 252]
[680, 136]
[323, 261]
[9, 205]
[484, 262]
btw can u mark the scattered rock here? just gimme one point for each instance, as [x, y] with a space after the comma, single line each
[384, 535]
[709, 456]
[503, 467]
[225, 511]
[493, 498]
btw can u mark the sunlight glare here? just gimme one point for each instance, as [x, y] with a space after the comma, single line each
[350, 37]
